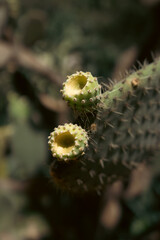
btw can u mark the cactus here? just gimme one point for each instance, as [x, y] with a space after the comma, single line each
[81, 91]
[126, 131]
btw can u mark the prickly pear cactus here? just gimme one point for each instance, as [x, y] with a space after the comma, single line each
[125, 132]
[81, 91]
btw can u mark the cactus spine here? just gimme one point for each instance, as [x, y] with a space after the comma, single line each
[126, 132]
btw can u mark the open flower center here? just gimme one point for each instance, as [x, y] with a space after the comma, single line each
[76, 84]
[64, 142]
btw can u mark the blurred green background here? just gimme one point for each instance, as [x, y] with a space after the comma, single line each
[41, 42]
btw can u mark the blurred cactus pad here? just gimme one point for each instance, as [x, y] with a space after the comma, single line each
[124, 131]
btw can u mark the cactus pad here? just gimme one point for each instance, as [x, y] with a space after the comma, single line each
[126, 132]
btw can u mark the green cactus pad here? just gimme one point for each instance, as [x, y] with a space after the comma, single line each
[125, 133]
[68, 142]
[81, 91]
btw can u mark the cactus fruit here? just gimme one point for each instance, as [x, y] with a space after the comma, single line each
[68, 142]
[81, 91]
[126, 132]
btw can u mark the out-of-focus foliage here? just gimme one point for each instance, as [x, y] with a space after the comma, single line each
[40, 43]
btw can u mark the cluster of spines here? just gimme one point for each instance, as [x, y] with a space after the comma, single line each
[82, 91]
[145, 79]
[68, 142]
